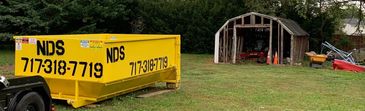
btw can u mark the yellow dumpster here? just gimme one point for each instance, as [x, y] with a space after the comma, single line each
[87, 68]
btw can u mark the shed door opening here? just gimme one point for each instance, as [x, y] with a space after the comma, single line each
[252, 44]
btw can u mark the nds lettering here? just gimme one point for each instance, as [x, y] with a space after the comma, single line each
[115, 54]
[50, 48]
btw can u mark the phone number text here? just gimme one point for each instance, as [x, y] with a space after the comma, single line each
[62, 67]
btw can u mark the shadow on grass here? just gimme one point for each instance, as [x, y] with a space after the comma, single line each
[104, 104]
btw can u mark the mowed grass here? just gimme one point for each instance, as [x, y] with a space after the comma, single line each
[7, 57]
[7, 62]
[207, 86]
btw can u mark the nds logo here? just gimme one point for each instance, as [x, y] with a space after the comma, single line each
[50, 48]
[115, 54]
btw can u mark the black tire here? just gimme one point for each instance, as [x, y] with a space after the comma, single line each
[31, 101]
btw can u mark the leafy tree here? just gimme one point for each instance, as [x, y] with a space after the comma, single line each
[33, 17]
[19, 17]
[196, 20]
[88, 16]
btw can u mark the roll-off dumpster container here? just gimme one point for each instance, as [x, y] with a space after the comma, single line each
[86, 68]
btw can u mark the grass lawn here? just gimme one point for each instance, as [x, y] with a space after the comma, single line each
[7, 62]
[6, 57]
[208, 86]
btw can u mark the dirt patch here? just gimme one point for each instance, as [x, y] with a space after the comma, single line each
[7, 68]
[7, 71]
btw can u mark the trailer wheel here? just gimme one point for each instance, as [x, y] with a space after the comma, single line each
[31, 101]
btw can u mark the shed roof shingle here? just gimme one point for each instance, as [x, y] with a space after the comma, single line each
[293, 27]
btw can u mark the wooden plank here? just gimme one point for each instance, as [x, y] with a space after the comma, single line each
[252, 19]
[238, 47]
[292, 50]
[227, 46]
[281, 46]
[243, 20]
[297, 48]
[155, 93]
[229, 51]
[224, 44]
[216, 48]
[301, 50]
[221, 47]
[254, 26]
[295, 51]
[262, 20]
[278, 40]
[270, 41]
[234, 45]
[307, 43]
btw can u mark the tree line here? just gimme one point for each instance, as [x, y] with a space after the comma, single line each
[196, 20]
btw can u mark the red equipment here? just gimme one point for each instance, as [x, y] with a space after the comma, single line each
[253, 54]
[344, 65]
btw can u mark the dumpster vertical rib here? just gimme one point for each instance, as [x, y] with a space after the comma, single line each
[76, 90]
[178, 62]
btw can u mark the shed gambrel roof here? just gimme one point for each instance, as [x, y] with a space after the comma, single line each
[290, 26]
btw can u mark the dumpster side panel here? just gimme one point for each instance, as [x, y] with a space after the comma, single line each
[139, 57]
[59, 58]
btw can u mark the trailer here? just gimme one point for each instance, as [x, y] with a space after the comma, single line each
[86, 68]
[24, 94]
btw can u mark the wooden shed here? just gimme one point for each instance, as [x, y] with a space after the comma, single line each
[254, 34]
